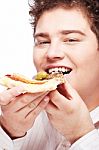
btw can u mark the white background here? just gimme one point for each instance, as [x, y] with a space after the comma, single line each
[16, 41]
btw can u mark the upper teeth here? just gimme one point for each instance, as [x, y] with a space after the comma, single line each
[58, 70]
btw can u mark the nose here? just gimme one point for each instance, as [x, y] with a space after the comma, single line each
[55, 52]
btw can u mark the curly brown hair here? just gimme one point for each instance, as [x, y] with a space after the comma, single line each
[89, 7]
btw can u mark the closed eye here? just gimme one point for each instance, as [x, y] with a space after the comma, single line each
[71, 41]
[44, 42]
[38, 43]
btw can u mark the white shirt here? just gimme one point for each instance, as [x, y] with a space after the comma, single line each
[42, 136]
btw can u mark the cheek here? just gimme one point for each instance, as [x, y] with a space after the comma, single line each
[83, 54]
[38, 58]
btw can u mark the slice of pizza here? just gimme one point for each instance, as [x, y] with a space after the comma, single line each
[41, 83]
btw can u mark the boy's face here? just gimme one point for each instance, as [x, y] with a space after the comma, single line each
[65, 42]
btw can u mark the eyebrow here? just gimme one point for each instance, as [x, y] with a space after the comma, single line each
[72, 31]
[64, 32]
[45, 35]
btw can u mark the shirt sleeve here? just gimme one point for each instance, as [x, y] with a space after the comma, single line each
[88, 142]
[7, 144]
[18, 143]
[5, 141]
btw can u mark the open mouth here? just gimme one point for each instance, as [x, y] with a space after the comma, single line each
[63, 70]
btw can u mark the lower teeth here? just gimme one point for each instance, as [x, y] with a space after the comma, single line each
[55, 72]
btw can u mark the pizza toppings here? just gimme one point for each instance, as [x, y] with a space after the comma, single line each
[22, 78]
[41, 75]
[47, 82]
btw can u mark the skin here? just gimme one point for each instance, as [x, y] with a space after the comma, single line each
[62, 41]
[77, 50]
[17, 117]
[70, 103]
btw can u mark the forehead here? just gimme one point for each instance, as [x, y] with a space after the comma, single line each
[60, 19]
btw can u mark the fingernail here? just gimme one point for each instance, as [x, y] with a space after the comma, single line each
[46, 99]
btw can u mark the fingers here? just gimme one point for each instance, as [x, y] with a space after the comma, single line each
[8, 95]
[23, 119]
[35, 112]
[63, 96]
[23, 100]
[51, 108]
[31, 106]
[64, 91]
[57, 99]
[19, 115]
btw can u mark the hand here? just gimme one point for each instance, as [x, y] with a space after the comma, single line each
[18, 116]
[8, 95]
[68, 113]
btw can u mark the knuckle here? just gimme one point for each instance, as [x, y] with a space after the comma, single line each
[4, 101]
[5, 114]
[1, 99]
[35, 113]
[24, 100]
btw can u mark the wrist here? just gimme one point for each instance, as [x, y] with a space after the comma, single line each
[74, 137]
[13, 135]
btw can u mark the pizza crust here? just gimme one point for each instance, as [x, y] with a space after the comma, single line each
[35, 86]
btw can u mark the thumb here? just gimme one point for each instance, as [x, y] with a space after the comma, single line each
[66, 90]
